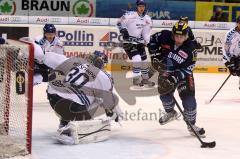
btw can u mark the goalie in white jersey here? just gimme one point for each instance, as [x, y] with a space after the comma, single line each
[231, 55]
[78, 92]
[135, 27]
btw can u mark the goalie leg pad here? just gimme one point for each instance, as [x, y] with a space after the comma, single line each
[83, 132]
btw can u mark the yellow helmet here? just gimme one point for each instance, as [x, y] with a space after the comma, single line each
[180, 28]
[183, 19]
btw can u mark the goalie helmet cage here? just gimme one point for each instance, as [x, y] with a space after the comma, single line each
[16, 86]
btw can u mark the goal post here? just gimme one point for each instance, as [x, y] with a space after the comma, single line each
[16, 98]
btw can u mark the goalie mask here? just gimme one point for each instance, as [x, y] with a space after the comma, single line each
[98, 59]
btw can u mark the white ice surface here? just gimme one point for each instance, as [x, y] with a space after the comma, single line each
[146, 139]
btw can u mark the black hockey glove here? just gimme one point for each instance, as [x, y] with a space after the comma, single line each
[152, 48]
[141, 46]
[233, 66]
[166, 83]
[173, 79]
[158, 65]
[124, 33]
[112, 115]
[43, 70]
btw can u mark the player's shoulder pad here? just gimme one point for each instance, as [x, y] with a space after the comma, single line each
[230, 35]
[147, 17]
[58, 41]
[130, 14]
[39, 40]
[188, 46]
[188, 50]
[167, 33]
[164, 34]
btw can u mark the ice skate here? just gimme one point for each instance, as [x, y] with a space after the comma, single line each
[151, 72]
[137, 82]
[167, 117]
[62, 123]
[199, 131]
[147, 83]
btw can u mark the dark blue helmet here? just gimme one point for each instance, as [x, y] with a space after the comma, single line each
[2, 40]
[140, 2]
[49, 28]
[98, 59]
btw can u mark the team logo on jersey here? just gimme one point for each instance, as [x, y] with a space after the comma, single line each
[176, 57]
[183, 54]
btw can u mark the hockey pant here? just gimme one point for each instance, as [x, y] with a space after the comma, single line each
[137, 53]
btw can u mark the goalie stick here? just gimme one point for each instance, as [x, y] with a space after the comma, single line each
[204, 144]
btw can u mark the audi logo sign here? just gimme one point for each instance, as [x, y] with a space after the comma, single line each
[13, 19]
[88, 21]
[43, 20]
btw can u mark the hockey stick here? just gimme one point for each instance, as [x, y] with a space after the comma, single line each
[112, 45]
[204, 144]
[207, 102]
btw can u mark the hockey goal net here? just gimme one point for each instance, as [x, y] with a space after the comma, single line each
[16, 63]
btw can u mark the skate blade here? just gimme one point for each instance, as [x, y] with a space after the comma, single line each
[141, 88]
[201, 136]
[177, 118]
[136, 88]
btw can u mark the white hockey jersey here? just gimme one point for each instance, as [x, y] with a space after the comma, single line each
[137, 26]
[55, 46]
[79, 72]
[231, 45]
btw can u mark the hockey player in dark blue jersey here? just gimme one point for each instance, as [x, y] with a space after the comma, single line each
[173, 55]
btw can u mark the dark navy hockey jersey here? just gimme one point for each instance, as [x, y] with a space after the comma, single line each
[181, 59]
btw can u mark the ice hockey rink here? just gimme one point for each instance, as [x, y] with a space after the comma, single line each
[142, 137]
